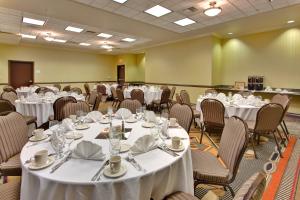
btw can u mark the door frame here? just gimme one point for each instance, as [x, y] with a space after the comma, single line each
[118, 67]
[9, 69]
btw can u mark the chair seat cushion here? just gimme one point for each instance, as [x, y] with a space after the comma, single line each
[30, 119]
[12, 167]
[208, 168]
[11, 190]
[180, 196]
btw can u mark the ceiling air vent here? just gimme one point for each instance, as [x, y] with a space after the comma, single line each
[192, 9]
[91, 32]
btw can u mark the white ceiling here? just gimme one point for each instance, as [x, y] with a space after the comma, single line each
[231, 10]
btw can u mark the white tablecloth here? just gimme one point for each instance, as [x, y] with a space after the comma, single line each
[26, 91]
[150, 94]
[165, 174]
[41, 109]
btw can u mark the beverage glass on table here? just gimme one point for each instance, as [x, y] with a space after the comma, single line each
[115, 135]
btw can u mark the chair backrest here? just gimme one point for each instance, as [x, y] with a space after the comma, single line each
[92, 97]
[268, 118]
[281, 99]
[72, 108]
[185, 97]
[114, 92]
[6, 106]
[165, 95]
[184, 115]
[59, 104]
[172, 93]
[213, 112]
[253, 188]
[9, 88]
[97, 102]
[67, 88]
[13, 135]
[57, 85]
[120, 94]
[101, 89]
[137, 94]
[178, 98]
[233, 144]
[87, 88]
[43, 90]
[163, 87]
[130, 104]
[76, 90]
[10, 96]
[211, 91]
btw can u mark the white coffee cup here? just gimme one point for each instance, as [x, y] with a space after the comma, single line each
[73, 118]
[115, 164]
[38, 133]
[176, 142]
[173, 121]
[41, 157]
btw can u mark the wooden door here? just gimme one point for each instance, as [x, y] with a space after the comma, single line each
[121, 74]
[20, 73]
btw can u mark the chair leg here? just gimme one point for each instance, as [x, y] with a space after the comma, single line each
[252, 141]
[278, 146]
[281, 138]
[285, 132]
[231, 190]
[202, 131]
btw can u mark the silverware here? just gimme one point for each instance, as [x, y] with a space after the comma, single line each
[134, 163]
[64, 160]
[98, 172]
[99, 177]
[165, 149]
[29, 160]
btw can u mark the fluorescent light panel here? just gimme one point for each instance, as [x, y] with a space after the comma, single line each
[158, 11]
[74, 29]
[120, 1]
[28, 36]
[290, 21]
[128, 39]
[105, 35]
[106, 46]
[50, 39]
[33, 21]
[84, 44]
[185, 22]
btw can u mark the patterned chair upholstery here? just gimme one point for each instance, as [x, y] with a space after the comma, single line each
[185, 98]
[76, 90]
[10, 96]
[92, 98]
[183, 114]
[58, 106]
[208, 169]
[57, 85]
[67, 88]
[72, 108]
[138, 94]
[97, 102]
[43, 90]
[9, 88]
[130, 104]
[101, 89]
[171, 101]
[11, 190]
[115, 96]
[120, 94]
[13, 136]
[164, 100]
[87, 89]
[178, 98]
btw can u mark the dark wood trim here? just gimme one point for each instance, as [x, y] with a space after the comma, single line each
[9, 64]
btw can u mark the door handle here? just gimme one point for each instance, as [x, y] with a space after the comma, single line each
[30, 81]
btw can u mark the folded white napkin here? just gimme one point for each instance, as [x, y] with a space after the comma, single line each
[88, 150]
[221, 97]
[150, 116]
[143, 144]
[67, 124]
[95, 116]
[236, 97]
[123, 113]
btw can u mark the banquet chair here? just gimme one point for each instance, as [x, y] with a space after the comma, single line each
[267, 121]
[185, 98]
[138, 94]
[43, 90]
[130, 104]
[9, 88]
[57, 85]
[10, 190]
[10, 96]
[284, 101]
[90, 99]
[67, 88]
[115, 96]
[213, 112]
[164, 100]
[102, 89]
[76, 90]
[97, 102]
[184, 115]
[210, 91]
[178, 98]
[13, 136]
[171, 101]
[252, 189]
[120, 95]
[72, 108]
[87, 89]
[58, 107]
[222, 170]
[164, 87]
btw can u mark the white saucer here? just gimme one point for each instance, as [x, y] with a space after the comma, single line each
[148, 125]
[32, 165]
[74, 135]
[122, 171]
[174, 126]
[33, 139]
[131, 120]
[124, 148]
[104, 121]
[181, 147]
[82, 126]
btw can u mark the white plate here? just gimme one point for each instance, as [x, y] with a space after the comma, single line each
[174, 126]
[104, 121]
[181, 147]
[148, 125]
[122, 171]
[131, 120]
[82, 126]
[74, 135]
[33, 139]
[32, 165]
[124, 148]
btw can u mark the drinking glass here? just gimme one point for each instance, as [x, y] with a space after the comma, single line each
[58, 141]
[115, 135]
[109, 112]
[139, 113]
[53, 123]
[164, 114]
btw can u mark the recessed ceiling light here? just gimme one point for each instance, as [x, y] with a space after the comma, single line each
[27, 36]
[84, 44]
[185, 22]
[230, 33]
[213, 10]
[158, 11]
[290, 21]
[105, 35]
[74, 29]
[59, 40]
[120, 1]
[33, 21]
[106, 46]
[128, 39]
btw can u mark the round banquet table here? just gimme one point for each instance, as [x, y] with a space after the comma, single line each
[41, 109]
[149, 94]
[27, 91]
[164, 174]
